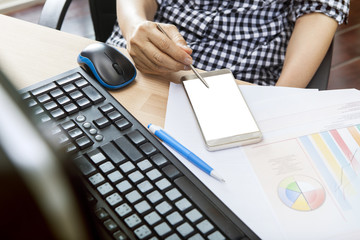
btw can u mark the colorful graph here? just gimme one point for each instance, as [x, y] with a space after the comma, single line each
[301, 193]
[336, 155]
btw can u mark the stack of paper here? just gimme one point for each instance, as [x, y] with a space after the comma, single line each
[303, 179]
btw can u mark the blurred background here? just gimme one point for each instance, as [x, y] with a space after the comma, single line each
[345, 68]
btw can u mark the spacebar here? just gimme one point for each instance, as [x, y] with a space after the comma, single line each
[223, 223]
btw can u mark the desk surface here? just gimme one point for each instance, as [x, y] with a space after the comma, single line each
[30, 53]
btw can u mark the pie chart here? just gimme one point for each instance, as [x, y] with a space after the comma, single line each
[301, 193]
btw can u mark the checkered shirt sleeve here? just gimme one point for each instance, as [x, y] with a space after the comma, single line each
[247, 37]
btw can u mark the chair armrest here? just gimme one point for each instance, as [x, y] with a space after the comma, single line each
[53, 13]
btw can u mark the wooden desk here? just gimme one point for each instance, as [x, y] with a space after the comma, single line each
[30, 53]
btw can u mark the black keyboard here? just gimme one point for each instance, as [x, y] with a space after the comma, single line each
[137, 188]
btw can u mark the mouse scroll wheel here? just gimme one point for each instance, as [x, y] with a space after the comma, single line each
[118, 69]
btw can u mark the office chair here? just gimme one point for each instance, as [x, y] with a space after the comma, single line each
[103, 15]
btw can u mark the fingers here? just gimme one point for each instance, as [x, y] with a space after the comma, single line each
[176, 37]
[154, 52]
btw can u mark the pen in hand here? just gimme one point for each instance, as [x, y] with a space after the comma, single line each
[166, 138]
[191, 66]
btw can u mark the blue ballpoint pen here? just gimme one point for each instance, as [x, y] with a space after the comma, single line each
[166, 138]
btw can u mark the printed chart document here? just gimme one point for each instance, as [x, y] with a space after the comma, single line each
[292, 185]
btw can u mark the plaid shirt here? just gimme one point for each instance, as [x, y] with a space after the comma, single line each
[248, 37]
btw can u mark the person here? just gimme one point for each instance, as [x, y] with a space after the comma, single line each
[265, 42]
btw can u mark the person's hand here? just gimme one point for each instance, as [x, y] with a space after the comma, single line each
[153, 52]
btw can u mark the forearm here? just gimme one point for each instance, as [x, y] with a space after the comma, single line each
[307, 47]
[131, 13]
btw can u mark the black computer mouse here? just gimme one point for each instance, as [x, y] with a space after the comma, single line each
[109, 66]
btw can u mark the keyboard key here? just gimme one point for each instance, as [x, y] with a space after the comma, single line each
[128, 149]
[196, 237]
[106, 108]
[86, 125]
[142, 232]
[136, 137]
[102, 122]
[43, 98]
[96, 179]
[124, 186]
[50, 105]
[69, 79]
[63, 100]
[106, 167]
[154, 196]
[93, 94]
[105, 189]
[75, 133]
[101, 214]
[123, 209]
[71, 108]
[127, 167]
[96, 156]
[123, 124]
[119, 235]
[133, 196]
[31, 102]
[185, 229]
[163, 207]
[93, 131]
[69, 88]
[142, 207]
[110, 225]
[174, 218]
[204, 226]
[84, 165]
[152, 218]
[193, 215]
[83, 103]
[144, 165]
[173, 194]
[114, 199]
[159, 159]
[84, 142]
[136, 176]
[44, 89]
[183, 204]
[56, 93]
[132, 220]
[99, 137]
[216, 236]
[148, 149]
[113, 153]
[58, 114]
[162, 229]
[71, 148]
[171, 171]
[154, 174]
[76, 95]
[114, 115]
[145, 186]
[81, 83]
[173, 236]
[80, 118]
[115, 176]
[38, 110]
[68, 125]
[163, 184]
